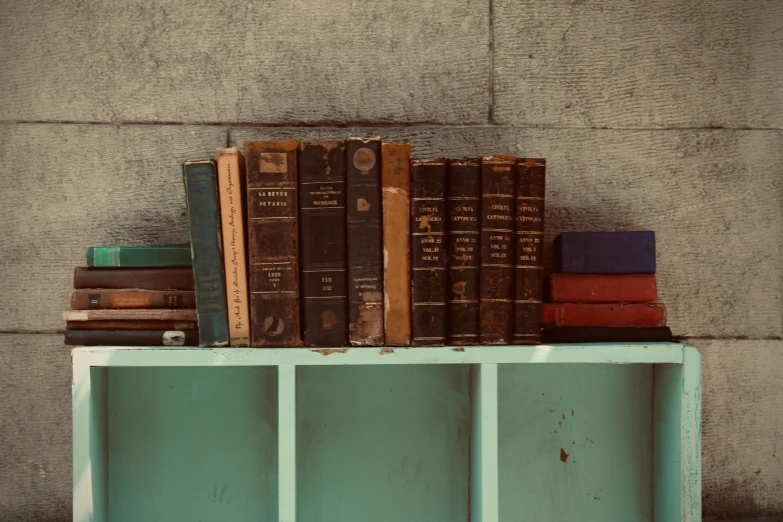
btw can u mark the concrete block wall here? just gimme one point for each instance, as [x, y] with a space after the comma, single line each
[662, 115]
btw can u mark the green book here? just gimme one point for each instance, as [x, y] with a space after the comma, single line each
[154, 256]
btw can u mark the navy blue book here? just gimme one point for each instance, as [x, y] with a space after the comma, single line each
[206, 250]
[605, 252]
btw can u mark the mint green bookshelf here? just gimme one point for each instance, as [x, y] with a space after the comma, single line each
[588, 433]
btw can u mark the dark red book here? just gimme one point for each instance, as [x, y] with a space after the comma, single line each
[583, 288]
[609, 314]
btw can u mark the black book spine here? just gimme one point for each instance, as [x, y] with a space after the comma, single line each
[464, 234]
[529, 251]
[131, 338]
[322, 242]
[606, 334]
[428, 252]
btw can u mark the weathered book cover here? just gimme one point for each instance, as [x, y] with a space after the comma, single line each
[231, 185]
[497, 249]
[132, 338]
[130, 315]
[96, 298]
[529, 250]
[428, 247]
[201, 189]
[168, 255]
[597, 288]
[180, 278]
[365, 242]
[629, 252]
[132, 325]
[322, 226]
[396, 181]
[609, 314]
[273, 242]
[605, 334]
[464, 234]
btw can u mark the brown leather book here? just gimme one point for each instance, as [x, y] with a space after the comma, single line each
[428, 259]
[529, 251]
[231, 187]
[130, 315]
[95, 298]
[173, 278]
[323, 245]
[273, 245]
[497, 249]
[132, 325]
[396, 181]
[463, 201]
[365, 242]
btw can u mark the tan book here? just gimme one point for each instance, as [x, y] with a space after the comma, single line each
[130, 315]
[132, 325]
[231, 186]
[396, 186]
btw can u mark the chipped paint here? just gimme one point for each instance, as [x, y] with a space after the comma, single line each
[330, 351]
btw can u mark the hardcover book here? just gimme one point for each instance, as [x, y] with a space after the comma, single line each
[428, 247]
[95, 298]
[365, 242]
[273, 242]
[130, 315]
[169, 255]
[322, 219]
[529, 250]
[603, 334]
[464, 232]
[592, 288]
[131, 338]
[201, 189]
[630, 252]
[497, 249]
[396, 181]
[127, 324]
[609, 314]
[231, 185]
[180, 278]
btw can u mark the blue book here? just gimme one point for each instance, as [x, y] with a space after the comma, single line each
[206, 250]
[605, 252]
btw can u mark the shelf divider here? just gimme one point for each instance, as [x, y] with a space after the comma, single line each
[286, 443]
[484, 443]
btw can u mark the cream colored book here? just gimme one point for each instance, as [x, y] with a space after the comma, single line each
[231, 180]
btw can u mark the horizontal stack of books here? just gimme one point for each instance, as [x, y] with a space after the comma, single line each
[133, 296]
[604, 290]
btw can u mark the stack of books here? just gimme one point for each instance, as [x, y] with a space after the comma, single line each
[604, 290]
[133, 296]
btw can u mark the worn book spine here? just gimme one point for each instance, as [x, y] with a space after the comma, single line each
[396, 181]
[365, 242]
[529, 250]
[628, 252]
[231, 185]
[322, 243]
[464, 233]
[132, 325]
[201, 189]
[604, 334]
[497, 249]
[180, 278]
[597, 288]
[609, 314]
[273, 242]
[132, 338]
[96, 298]
[428, 252]
[130, 315]
[172, 255]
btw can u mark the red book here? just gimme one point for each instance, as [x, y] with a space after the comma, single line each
[610, 314]
[583, 288]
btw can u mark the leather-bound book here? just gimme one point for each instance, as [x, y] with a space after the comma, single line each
[130, 315]
[604, 314]
[529, 251]
[207, 251]
[463, 201]
[132, 338]
[273, 243]
[130, 324]
[365, 242]
[322, 243]
[91, 298]
[497, 249]
[175, 278]
[428, 252]
[396, 180]
[231, 183]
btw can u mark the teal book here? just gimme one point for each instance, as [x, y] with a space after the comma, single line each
[140, 257]
[201, 189]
